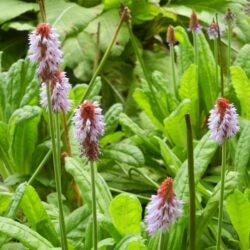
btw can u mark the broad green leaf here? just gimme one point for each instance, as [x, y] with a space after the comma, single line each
[111, 118]
[14, 8]
[23, 131]
[143, 100]
[189, 90]
[106, 242]
[2, 95]
[238, 207]
[20, 25]
[5, 198]
[207, 72]
[211, 207]
[112, 138]
[37, 216]
[241, 85]
[29, 238]
[243, 59]
[174, 124]
[109, 21]
[131, 242]
[185, 52]
[79, 54]
[13, 245]
[242, 153]
[21, 86]
[69, 18]
[124, 153]
[83, 180]
[125, 211]
[203, 153]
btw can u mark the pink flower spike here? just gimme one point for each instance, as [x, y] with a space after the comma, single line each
[60, 88]
[223, 121]
[194, 24]
[163, 209]
[213, 30]
[89, 126]
[44, 48]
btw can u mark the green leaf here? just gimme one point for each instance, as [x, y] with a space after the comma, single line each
[21, 86]
[189, 90]
[207, 73]
[130, 242]
[124, 153]
[69, 18]
[143, 100]
[14, 8]
[243, 59]
[174, 124]
[238, 207]
[31, 239]
[185, 52]
[83, 180]
[111, 118]
[125, 211]
[241, 85]
[37, 216]
[203, 153]
[211, 208]
[23, 131]
[109, 21]
[242, 153]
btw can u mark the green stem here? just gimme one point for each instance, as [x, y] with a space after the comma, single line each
[223, 169]
[145, 72]
[216, 60]
[191, 184]
[229, 50]
[173, 68]
[122, 191]
[56, 162]
[95, 236]
[161, 241]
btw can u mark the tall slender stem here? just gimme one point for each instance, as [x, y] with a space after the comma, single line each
[95, 236]
[54, 127]
[191, 183]
[223, 169]
[229, 50]
[66, 133]
[216, 60]
[145, 72]
[173, 68]
[161, 245]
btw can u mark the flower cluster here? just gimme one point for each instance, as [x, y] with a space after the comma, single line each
[44, 48]
[171, 40]
[223, 121]
[163, 209]
[89, 126]
[194, 24]
[214, 30]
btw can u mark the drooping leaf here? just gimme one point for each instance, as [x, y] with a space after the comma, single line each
[241, 85]
[174, 124]
[131, 242]
[125, 211]
[31, 239]
[238, 207]
[82, 178]
[23, 131]
[37, 216]
[14, 8]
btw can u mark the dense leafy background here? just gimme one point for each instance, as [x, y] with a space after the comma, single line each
[140, 141]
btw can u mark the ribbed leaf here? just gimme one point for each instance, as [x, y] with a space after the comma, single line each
[131, 242]
[243, 59]
[203, 153]
[174, 124]
[207, 72]
[125, 211]
[37, 216]
[31, 239]
[238, 207]
[241, 85]
[23, 131]
[242, 153]
[124, 153]
[82, 178]
[189, 90]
